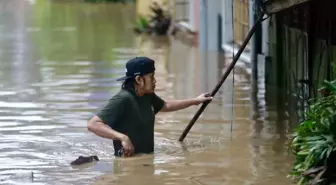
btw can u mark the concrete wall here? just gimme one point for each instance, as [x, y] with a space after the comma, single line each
[227, 23]
[209, 30]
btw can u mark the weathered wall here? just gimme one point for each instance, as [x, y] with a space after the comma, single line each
[241, 20]
[302, 47]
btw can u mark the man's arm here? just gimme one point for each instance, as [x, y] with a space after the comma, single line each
[107, 119]
[174, 105]
[98, 127]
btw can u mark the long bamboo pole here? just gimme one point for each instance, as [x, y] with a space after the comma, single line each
[226, 74]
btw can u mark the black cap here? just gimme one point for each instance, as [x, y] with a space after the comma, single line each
[138, 66]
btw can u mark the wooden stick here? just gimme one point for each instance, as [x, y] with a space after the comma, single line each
[226, 74]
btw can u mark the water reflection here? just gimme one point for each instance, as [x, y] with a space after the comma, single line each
[58, 62]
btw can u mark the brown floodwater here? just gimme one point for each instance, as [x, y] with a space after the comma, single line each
[58, 62]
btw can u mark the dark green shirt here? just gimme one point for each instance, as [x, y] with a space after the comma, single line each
[134, 118]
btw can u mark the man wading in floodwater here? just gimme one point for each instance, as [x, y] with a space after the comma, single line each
[128, 117]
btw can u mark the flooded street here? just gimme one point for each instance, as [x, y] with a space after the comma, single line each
[58, 62]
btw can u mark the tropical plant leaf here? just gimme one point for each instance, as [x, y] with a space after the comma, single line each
[313, 141]
[331, 86]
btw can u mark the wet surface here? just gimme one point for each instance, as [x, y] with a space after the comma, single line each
[58, 62]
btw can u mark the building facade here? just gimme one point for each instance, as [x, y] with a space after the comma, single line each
[222, 25]
[294, 49]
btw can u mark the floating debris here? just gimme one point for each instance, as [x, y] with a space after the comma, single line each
[82, 160]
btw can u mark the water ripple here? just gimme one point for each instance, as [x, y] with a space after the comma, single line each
[19, 105]
[58, 67]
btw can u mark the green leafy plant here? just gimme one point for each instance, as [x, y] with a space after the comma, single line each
[158, 23]
[161, 19]
[314, 140]
[142, 24]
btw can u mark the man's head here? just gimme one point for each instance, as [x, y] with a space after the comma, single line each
[140, 75]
